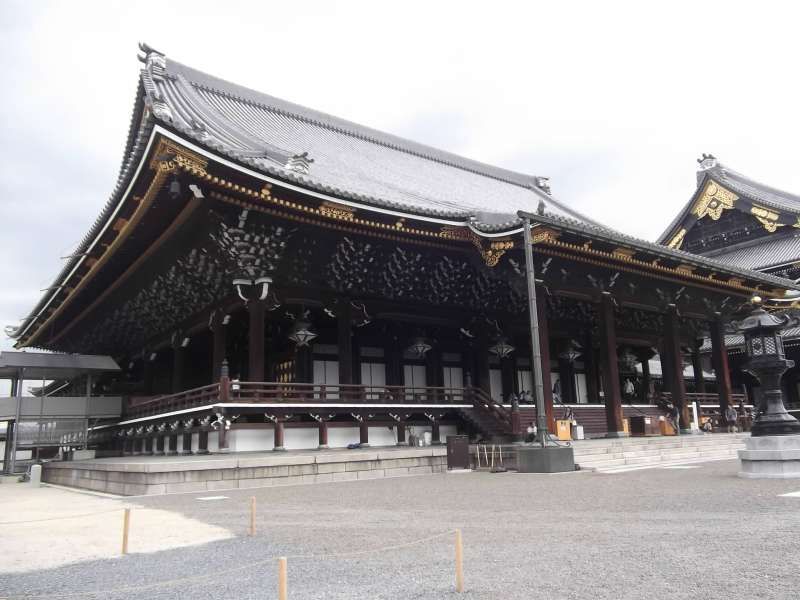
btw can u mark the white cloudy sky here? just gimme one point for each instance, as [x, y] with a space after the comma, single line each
[614, 101]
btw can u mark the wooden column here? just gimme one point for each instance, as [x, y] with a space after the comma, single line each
[219, 345]
[363, 432]
[172, 446]
[147, 373]
[393, 355]
[255, 342]
[608, 350]
[719, 360]
[674, 375]
[436, 439]
[646, 379]
[507, 373]
[566, 375]
[278, 444]
[345, 341]
[697, 368]
[202, 443]
[159, 445]
[187, 443]
[590, 365]
[178, 363]
[304, 365]
[482, 363]
[323, 434]
[401, 433]
[544, 344]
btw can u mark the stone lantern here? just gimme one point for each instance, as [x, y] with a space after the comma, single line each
[773, 450]
[764, 348]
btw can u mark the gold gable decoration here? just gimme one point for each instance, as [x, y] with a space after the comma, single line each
[677, 241]
[713, 201]
[768, 218]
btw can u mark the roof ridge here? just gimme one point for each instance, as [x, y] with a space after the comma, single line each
[368, 134]
[725, 170]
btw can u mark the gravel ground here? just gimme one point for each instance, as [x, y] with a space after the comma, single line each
[661, 533]
[49, 527]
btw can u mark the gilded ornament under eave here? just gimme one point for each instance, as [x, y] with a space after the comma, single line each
[714, 200]
[676, 242]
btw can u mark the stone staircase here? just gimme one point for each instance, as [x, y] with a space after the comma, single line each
[608, 455]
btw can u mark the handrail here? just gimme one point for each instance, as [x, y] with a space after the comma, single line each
[483, 400]
[298, 393]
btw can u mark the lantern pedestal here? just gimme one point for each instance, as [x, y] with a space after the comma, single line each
[771, 457]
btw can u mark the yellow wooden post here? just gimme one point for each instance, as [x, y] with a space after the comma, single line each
[126, 524]
[459, 563]
[252, 515]
[282, 592]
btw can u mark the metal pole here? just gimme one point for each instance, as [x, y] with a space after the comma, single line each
[12, 461]
[536, 359]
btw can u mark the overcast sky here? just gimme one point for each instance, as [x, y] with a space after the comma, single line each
[613, 101]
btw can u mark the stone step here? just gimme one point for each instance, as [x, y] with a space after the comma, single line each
[652, 457]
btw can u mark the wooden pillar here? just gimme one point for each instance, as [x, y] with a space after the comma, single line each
[608, 350]
[172, 447]
[202, 442]
[674, 376]
[482, 363]
[159, 450]
[590, 366]
[435, 435]
[147, 373]
[393, 355]
[187, 443]
[719, 360]
[401, 433]
[255, 341]
[323, 434]
[178, 363]
[507, 373]
[345, 341]
[544, 344]
[363, 432]
[646, 379]
[566, 375]
[219, 329]
[697, 368]
[278, 444]
[304, 365]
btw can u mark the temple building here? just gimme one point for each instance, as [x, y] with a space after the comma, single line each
[269, 276]
[738, 221]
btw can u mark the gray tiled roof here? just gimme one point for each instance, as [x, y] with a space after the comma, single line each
[349, 160]
[766, 252]
[756, 192]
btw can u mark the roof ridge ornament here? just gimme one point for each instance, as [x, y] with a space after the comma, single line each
[706, 162]
[155, 69]
[301, 163]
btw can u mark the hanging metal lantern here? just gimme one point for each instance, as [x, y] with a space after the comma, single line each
[501, 348]
[419, 347]
[302, 334]
[571, 352]
[627, 360]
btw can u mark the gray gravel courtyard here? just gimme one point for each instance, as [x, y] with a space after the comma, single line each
[661, 533]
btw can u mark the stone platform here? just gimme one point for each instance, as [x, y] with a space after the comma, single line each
[771, 457]
[150, 475]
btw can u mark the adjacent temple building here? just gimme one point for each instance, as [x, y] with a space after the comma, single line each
[737, 221]
[269, 276]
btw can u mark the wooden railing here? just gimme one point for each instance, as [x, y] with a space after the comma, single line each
[483, 401]
[706, 398]
[308, 393]
[208, 394]
[250, 392]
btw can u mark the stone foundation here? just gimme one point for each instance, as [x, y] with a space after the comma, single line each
[137, 476]
[771, 457]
